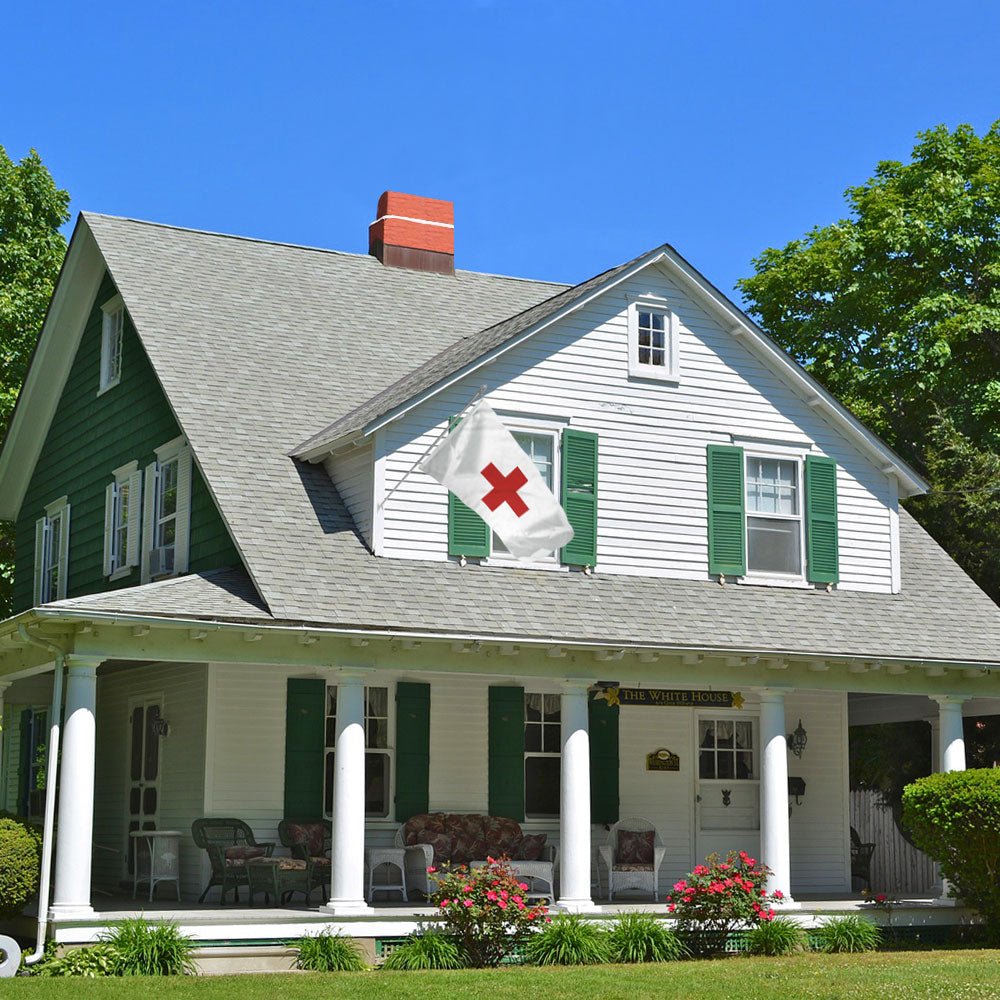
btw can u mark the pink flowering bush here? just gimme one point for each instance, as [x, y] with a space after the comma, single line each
[719, 896]
[485, 910]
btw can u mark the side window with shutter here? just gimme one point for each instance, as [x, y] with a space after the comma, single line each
[468, 534]
[579, 496]
[726, 511]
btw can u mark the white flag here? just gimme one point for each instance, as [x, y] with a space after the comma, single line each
[482, 464]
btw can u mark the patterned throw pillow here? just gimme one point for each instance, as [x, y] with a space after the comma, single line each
[530, 848]
[635, 847]
[237, 857]
[308, 834]
[503, 836]
[415, 825]
[441, 843]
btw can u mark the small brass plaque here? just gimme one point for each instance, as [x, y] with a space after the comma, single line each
[662, 760]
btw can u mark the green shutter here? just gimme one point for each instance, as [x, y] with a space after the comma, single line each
[305, 744]
[727, 552]
[468, 534]
[506, 752]
[413, 749]
[24, 764]
[579, 496]
[822, 562]
[603, 726]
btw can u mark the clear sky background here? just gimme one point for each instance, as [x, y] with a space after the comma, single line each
[571, 136]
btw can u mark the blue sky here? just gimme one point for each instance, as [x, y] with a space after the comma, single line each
[570, 136]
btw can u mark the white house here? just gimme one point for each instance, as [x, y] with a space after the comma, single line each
[223, 539]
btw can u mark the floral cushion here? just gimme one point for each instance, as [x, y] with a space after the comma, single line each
[464, 837]
[635, 847]
[466, 848]
[285, 864]
[320, 862]
[423, 822]
[633, 867]
[530, 848]
[311, 835]
[237, 857]
[440, 842]
[503, 836]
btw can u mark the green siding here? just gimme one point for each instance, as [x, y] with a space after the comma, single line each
[305, 740]
[91, 435]
[603, 732]
[413, 749]
[506, 752]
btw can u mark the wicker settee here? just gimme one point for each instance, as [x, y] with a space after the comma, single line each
[433, 839]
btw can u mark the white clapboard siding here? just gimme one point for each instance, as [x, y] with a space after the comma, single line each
[898, 868]
[11, 722]
[653, 435]
[352, 473]
[182, 766]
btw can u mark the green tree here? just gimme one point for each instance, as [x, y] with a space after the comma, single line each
[896, 310]
[32, 248]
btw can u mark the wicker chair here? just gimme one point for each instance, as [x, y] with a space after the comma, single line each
[309, 840]
[625, 872]
[861, 859]
[230, 845]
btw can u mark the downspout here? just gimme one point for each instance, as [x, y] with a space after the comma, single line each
[51, 772]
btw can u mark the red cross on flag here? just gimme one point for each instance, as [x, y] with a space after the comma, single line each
[482, 464]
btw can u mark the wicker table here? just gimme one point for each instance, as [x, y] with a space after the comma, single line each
[394, 856]
[162, 859]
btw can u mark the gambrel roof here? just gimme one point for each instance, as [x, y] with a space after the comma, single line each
[256, 344]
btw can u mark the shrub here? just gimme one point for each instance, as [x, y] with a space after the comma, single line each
[641, 937]
[780, 936]
[484, 910]
[851, 933]
[147, 948]
[954, 817]
[20, 863]
[568, 940]
[97, 960]
[326, 952]
[429, 949]
[719, 896]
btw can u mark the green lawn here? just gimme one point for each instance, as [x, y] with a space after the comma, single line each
[955, 975]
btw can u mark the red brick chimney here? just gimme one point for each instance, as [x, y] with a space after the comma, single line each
[414, 232]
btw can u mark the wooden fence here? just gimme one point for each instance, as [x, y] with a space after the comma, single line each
[897, 866]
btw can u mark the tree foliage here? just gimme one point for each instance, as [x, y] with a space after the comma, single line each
[32, 208]
[896, 310]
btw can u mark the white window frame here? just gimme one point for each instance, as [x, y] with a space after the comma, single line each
[548, 817]
[175, 450]
[47, 560]
[759, 577]
[387, 751]
[119, 561]
[668, 372]
[112, 342]
[549, 427]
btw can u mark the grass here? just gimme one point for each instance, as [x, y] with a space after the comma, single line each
[931, 975]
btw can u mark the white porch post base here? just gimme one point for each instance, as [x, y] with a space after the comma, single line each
[71, 899]
[347, 893]
[574, 806]
[950, 756]
[774, 836]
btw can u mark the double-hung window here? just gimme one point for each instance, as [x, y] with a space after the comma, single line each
[542, 758]
[378, 753]
[774, 516]
[122, 504]
[52, 552]
[112, 338]
[166, 513]
[540, 447]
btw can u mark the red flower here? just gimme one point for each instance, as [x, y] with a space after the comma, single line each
[778, 894]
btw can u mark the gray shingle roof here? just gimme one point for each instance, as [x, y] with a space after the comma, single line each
[255, 343]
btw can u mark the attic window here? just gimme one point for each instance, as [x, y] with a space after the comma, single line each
[652, 340]
[112, 334]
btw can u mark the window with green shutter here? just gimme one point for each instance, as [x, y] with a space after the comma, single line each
[822, 561]
[506, 752]
[579, 496]
[305, 708]
[726, 511]
[413, 749]
[468, 534]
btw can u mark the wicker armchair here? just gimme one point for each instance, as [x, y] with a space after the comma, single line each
[861, 859]
[230, 845]
[632, 862]
[309, 840]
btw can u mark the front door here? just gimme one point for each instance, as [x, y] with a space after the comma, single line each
[144, 771]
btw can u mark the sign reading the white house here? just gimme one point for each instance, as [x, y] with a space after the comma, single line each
[670, 699]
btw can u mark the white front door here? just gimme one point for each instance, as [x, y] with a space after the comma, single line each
[727, 786]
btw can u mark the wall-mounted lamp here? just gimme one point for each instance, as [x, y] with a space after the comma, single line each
[160, 727]
[797, 740]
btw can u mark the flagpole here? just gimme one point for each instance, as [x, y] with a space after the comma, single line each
[406, 475]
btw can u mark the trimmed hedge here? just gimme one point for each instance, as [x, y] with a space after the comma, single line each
[954, 817]
[20, 865]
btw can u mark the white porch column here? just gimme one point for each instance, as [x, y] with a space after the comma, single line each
[74, 841]
[574, 806]
[347, 894]
[949, 755]
[774, 849]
